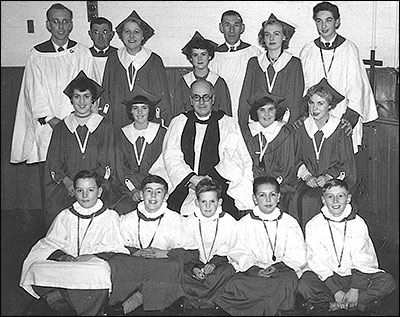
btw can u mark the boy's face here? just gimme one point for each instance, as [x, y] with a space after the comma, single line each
[82, 102]
[87, 192]
[200, 58]
[266, 115]
[335, 199]
[318, 107]
[59, 24]
[232, 28]
[101, 35]
[208, 202]
[140, 113]
[326, 24]
[266, 197]
[154, 194]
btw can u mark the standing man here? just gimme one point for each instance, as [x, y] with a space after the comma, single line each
[42, 104]
[101, 32]
[230, 61]
[338, 60]
[203, 143]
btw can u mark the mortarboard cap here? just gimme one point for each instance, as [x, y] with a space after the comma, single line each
[196, 40]
[148, 31]
[140, 95]
[336, 96]
[82, 82]
[289, 29]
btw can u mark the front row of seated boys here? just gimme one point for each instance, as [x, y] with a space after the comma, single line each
[94, 262]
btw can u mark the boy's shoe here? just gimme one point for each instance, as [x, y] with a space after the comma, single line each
[114, 310]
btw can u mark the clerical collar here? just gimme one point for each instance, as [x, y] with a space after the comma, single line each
[152, 215]
[202, 118]
[215, 216]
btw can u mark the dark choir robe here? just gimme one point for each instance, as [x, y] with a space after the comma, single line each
[127, 162]
[336, 158]
[100, 59]
[278, 158]
[65, 158]
[181, 101]
[212, 237]
[149, 74]
[285, 81]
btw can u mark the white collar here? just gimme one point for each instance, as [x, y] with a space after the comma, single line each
[149, 133]
[92, 123]
[104, 50]
[152, 215]
[269, 132]
[328, 129]
[202, 118]
[346, 212]
[88, 211]
[138, 60]
[331, 41]
[200, 216]
[56, 47]
[235, 46]
[280, 63]
[274, 215]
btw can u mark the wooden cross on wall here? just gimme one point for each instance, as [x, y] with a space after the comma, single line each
[372, 63]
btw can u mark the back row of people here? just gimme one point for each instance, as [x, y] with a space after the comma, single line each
[93, 262]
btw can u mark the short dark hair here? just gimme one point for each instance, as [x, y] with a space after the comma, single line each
[265, 180]
[260, 103]
[208, 185]
[82, 84]
[88, 174]
[326, 6]
[101, 20]
[150, 178]
[231, 13]
[335, 182]
[145, 100]
[57, 6]
[204, 45]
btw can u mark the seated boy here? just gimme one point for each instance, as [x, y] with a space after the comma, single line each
[68, 268]
[342, 267]
[268, 253]
[152, 274]
[209, 230]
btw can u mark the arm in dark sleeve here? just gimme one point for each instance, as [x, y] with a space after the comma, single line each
[351, 116]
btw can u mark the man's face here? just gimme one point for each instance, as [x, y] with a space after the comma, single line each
[59, 25]
[202, 99]
[326, 24]
[101, 35]
[232, 27]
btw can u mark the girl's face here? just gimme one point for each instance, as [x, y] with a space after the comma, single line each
[267, 198]
[82, 102]
[326, 24]
[154, 195]
[140, 113]
[132, 36]
[266, 115]
[273, 36]
[335, 199]
[208, 203]
[318, 107]
[200, 58]
[87, 192]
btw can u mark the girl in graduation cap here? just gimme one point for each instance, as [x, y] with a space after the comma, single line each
[199, 52]
[82, 140]
[133, 65]
[275, 71]
[139, 146]
[323, 152]
[270, 143]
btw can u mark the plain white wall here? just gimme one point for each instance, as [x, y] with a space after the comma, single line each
[176, 21]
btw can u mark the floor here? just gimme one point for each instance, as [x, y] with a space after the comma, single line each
[20, 229]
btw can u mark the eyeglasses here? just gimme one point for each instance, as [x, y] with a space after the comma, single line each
[205, 98]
